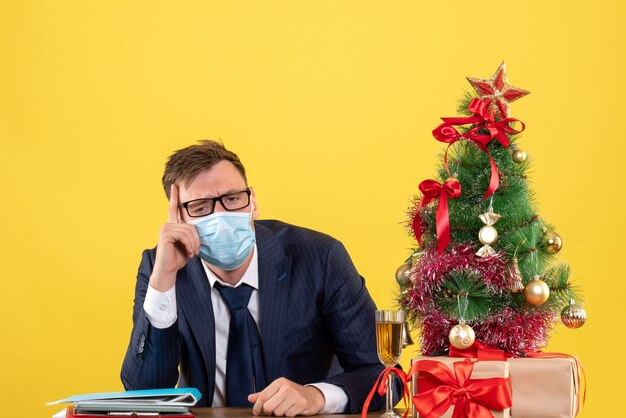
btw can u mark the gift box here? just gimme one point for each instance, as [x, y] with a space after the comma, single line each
[442, 384]
[547, 387]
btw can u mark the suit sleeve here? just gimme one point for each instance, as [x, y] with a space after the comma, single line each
[349, 317]
[153, 354]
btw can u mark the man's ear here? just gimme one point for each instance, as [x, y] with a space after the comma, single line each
[255, 208]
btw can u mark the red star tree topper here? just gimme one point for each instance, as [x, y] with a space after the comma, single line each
[497, 92]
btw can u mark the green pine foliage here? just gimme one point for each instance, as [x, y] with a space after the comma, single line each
[464, 295]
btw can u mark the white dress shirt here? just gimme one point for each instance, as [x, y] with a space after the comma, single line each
[161, 311]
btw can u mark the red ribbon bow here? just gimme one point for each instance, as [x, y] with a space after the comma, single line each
[382, 384]
[471, 398]
[483, 119]
[432, 190]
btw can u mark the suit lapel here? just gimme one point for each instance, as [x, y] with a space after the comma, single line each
[194, 296]
[274, 282]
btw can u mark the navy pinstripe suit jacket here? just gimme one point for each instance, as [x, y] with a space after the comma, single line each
[313, 304]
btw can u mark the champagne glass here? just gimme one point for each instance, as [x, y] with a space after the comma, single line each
[389, 326]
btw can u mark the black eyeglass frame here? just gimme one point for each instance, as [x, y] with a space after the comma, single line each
[214, 200]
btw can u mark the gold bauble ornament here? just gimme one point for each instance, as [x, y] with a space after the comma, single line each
[536, 291]
[416, 257]
[403, 274]
[519, 156]
[552, 242]
[462, 336]
[573, 316]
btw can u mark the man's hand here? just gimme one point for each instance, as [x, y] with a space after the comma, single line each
[286, 398]
[178, 243]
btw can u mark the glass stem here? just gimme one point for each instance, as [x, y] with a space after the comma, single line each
[389, 407]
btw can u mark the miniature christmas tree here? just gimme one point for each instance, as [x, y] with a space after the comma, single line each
[485, 267]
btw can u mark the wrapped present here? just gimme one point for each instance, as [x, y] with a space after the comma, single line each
[545, 387]
[450, 387]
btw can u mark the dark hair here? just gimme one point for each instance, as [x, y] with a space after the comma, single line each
[185, 164]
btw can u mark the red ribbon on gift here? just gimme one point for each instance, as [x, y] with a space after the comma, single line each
[484, 120]
[471, 398]
[382, 385]
[432, 190]
[481, 352]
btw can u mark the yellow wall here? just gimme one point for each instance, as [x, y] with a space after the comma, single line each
[329, 103]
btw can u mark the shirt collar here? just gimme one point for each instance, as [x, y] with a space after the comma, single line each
[250, 276]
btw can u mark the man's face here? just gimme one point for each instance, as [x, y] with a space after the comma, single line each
[223, 178]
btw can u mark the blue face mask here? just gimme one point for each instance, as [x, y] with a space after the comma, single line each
[226, 238]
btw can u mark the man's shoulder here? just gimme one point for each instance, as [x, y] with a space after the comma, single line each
[290, 234]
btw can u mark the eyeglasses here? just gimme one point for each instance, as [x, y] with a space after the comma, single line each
[230, 201]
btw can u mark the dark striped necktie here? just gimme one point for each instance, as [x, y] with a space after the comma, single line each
[245, 373]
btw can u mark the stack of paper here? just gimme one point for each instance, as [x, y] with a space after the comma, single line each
[172, 403]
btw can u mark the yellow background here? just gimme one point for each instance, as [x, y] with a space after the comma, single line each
[330, 105]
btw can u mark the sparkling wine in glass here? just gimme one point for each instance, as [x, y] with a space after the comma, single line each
[389, 326]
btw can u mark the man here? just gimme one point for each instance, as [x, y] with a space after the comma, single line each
[249, 312]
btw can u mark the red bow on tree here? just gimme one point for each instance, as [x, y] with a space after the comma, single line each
[484, 120]
[432, 190]
[471, 398]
